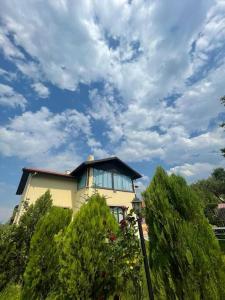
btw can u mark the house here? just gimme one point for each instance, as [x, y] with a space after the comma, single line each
[110, 177]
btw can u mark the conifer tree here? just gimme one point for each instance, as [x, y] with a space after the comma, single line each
[185, 257]
[84, 252]
[15, 241]
[41, 274]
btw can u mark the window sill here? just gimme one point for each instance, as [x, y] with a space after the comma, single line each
[104, 188]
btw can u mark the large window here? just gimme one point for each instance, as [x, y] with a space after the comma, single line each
[102, 178]
[105, 179]
[118, 212]
[122, 182]
[82, 181]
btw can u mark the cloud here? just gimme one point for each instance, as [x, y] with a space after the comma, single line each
[162, 75]
[41, 89]
[195, 171]
[9, 97]
[45, 139]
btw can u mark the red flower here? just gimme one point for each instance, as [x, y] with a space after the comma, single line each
[112, 237]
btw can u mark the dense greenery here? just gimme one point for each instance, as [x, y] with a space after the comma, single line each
[84, 252]
[185, 257]
[212, 188]
[41, 274]
[98, 258]
[212, 191]
[15, 241]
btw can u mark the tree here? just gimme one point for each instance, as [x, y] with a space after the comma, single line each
[41, 274]
[15, 241]
[185, 257]
[213, 188]
[84, 252]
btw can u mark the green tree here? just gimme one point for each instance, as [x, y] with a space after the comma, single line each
[185, 257]
[15, 241]
[84, 252]
[41, 274]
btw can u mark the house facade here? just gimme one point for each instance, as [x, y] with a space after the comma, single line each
[110, 177]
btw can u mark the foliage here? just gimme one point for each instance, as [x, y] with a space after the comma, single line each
[15, 241]
[41, 274]
[83, 256]
[8, 254]
[185, 257]
[11, 292]
[125, 259]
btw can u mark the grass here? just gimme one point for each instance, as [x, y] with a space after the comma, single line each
[11, 292]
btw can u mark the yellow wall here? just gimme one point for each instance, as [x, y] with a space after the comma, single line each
[65, 194]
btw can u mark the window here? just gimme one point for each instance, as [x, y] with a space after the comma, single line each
[118, 212]
[122, 182]
[102, 178]
[82, 181]
[105, 179]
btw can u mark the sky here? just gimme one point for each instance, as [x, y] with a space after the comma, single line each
[137, 79]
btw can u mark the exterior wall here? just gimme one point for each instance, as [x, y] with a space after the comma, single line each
[63, 191]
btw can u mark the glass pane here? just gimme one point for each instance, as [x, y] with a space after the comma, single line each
[82, 181]
[102, 179]
[122, 182]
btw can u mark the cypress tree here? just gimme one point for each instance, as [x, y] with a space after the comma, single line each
[41, 274]
[185, 257]
[15, 241]
[84, 252]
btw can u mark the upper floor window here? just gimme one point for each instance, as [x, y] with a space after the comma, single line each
[82, 181]
[105, 179]
[102, 178]
[122, 182]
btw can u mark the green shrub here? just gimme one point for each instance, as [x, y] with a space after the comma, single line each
[15, 241]
[11, 292]
[84, 252]
[41, 274]
[185, 258]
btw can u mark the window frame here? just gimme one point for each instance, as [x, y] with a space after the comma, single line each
[123, 209]
[86, 180]
[113, 184]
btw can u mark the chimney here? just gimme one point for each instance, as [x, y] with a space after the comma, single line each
[90, 157]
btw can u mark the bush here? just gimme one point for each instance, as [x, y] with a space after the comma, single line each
[185, 258]
[15, 241]
[84, 252]
[11, 292]
[41, 275]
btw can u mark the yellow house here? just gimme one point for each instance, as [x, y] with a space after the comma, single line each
[110, 177]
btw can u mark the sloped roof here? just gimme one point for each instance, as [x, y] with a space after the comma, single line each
[115, 160]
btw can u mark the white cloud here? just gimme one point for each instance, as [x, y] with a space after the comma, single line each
[156, 49]
[41, 89]
[195, 171]
[9, 97]
[45, 139]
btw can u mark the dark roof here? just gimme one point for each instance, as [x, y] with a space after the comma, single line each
[114, 160]
[78, 171]
[27, 171]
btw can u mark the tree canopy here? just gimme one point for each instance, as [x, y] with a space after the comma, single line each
[41, 274]
[185, 257]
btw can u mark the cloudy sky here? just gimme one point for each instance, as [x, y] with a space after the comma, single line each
[137, 79]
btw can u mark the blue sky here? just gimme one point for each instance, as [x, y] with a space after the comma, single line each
[136, 79]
